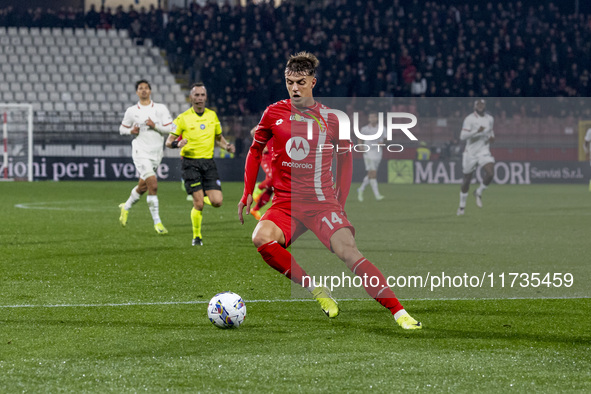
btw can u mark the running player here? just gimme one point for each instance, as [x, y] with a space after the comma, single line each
[148, 122]
[304, 194]
[478, 133]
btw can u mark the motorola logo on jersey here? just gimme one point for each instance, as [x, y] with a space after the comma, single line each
[297, 148]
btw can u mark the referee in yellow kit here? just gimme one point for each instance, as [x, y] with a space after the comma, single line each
[199, 129]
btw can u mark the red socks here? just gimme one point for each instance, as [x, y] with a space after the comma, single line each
[375, 284]
[281, 260]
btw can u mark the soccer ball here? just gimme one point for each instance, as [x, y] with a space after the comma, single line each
[226, 310]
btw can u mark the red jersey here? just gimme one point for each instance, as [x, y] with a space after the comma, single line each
[301, 165]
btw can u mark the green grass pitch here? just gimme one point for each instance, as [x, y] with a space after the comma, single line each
[88, 306]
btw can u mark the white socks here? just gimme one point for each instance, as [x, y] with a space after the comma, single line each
[463, 198]
[480, 189]
[400, 313]
[364, 184]
[153, 205]
[374, 187]
[133, 198]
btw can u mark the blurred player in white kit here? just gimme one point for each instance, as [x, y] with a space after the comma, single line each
[478, 133]
[372, 158]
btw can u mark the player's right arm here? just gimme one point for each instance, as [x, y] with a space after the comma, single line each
[127, 127]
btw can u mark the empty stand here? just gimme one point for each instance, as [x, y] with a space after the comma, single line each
[72, 70]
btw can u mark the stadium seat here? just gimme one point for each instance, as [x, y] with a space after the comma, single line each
[7, 96]
[19, 97]
[89, 96]
[31, 97]
[47, 106]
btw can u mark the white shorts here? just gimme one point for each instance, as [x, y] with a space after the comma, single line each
[471, 162]
[146, 167]
[371, 163]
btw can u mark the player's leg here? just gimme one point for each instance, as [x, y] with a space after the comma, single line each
[135, 195]
[270, 238]
[487, 177]
[153, 204]
[193, 185]
[211, 184]
[464, 192]
[469, 165]
[365, 182]
[373, 181]
[343, 244]
[197, 217]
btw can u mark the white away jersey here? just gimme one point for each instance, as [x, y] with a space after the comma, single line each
[375, 152]
[477, 143]
[149, 142]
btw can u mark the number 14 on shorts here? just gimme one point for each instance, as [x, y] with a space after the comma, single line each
[334, 219]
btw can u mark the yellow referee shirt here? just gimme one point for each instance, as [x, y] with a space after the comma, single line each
[200, 132]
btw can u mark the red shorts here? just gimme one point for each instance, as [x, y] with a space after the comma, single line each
[323, 218]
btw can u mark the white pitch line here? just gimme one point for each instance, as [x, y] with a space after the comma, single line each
[46, 206]
[268, 301]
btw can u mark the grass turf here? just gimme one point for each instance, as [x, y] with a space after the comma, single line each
[86, 305]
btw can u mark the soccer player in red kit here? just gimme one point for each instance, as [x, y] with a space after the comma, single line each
[306, 197]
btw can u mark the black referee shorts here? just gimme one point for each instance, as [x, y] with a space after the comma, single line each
[200, 174]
